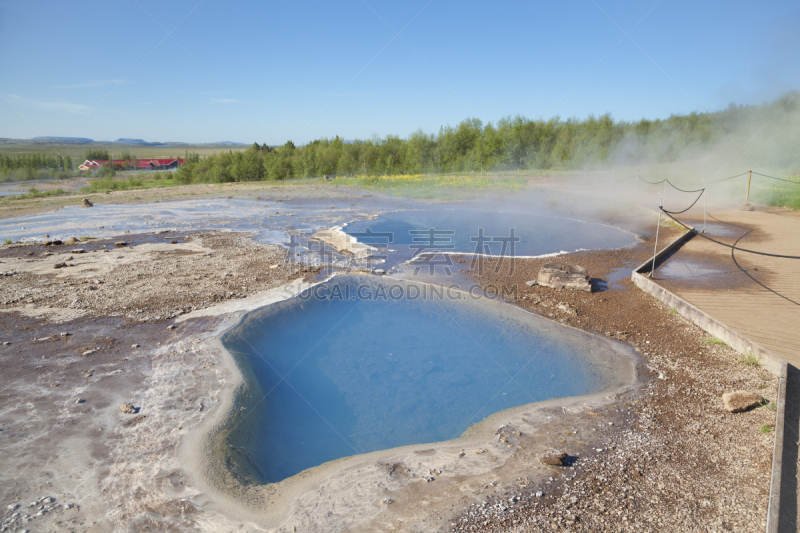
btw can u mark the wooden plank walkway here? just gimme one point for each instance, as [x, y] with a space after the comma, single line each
[760, 297]
[757, 295]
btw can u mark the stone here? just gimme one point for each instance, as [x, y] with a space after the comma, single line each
[741, 400]
[747, 207]
[78, 251]
[531, 283]
[60, 265]
[566, 308]
[127, 408]
[120, 243]
[86, 203]
[561, 276]
[80, 400]
[555, 458]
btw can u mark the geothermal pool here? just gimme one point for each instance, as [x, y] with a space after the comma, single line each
[363, 363]
[470, 230]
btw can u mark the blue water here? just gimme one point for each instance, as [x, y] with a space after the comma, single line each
[468, 230]
[365, 363]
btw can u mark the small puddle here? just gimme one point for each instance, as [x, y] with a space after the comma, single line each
[721, 229]
[676, 269]
[614, 278]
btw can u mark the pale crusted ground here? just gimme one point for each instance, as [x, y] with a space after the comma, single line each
[148, 279]
[81, 340]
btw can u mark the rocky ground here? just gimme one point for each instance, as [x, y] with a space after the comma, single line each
[670, 458]
[82, 343]
[79, 341]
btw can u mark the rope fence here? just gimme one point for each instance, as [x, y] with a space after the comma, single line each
[702, 193]
[732, 247]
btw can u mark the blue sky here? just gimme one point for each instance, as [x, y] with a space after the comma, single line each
[205, 71]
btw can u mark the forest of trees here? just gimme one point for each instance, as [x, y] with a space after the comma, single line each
[513, 143]
[770, 132]
[35, 166]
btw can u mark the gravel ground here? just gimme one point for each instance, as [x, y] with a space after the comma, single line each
[674, 458]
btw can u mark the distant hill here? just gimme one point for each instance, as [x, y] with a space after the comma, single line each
[63, 140]
[121, 140]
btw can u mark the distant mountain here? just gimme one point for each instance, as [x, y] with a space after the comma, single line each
[63, 140]
[121, 140]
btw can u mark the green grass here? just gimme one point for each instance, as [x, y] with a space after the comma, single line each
[134, 181]
[750, 360]
[33, 192]
[777, 193]
[673, 311]
[712, 340]
[769, 406]
[766, 428]
[443, 186]
[8, 241]
[787, 198]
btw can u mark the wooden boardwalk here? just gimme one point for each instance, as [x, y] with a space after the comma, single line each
[760, 297]
[757, 295]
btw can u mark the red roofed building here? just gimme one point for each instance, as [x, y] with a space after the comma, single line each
[137, 164]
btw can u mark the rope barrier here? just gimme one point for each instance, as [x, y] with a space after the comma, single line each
[730, 178]
[683, 190]
[728, 245]
[670, 184]
[653, 182]
[702, 191]
[779, 179]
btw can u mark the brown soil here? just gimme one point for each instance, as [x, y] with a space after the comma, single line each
[677, 461]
